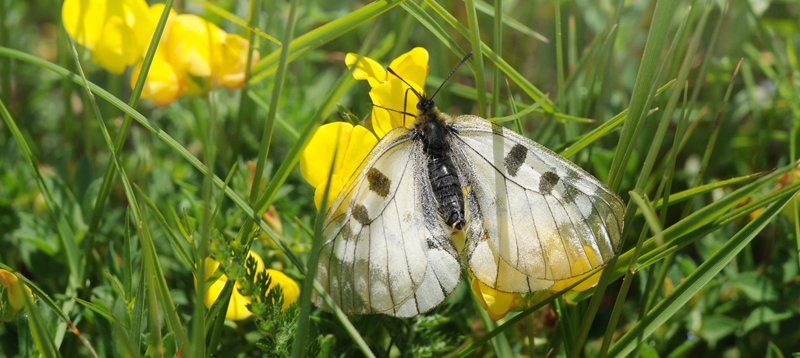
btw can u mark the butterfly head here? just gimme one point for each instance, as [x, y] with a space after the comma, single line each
[425, 104]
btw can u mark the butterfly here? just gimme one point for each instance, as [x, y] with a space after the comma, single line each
[451, 190]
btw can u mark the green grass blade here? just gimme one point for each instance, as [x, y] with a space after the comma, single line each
[5, 63]
[236, 20]
[348, 326]
[588, 138]
[470, 93]
[156, 130]
[694, 221]
[40, 293]
[155, 343]
[127, 259]
[269, 123]
[512, 73]
[497, 41]
[322, 35]
[65, 233]
[41, 335]
[328, 103]
[108, 178]
[303, 317]
[712, 140]
[544, 298]
[139, 301]
[516, 116]
[263, 104]
[103, 311]
[475, 40]
[697, 280]
[559, 60]
[513, 108]
[160, 286]
[641, 90]
[726, 219]
[705, 189]
[499, 341]
[616, 312]
[184, 256]
[508, 21]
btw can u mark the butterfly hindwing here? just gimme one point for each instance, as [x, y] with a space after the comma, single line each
[541, 215]
[381, 252]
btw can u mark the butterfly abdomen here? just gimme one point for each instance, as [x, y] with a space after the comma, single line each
[446, 189]
[442, 172]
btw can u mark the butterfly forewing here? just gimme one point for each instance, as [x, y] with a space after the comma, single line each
[381, 253]
[541, 215]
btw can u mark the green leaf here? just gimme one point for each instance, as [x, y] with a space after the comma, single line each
[647, 351]
[717, 327]
[767, 314]
[756, 286]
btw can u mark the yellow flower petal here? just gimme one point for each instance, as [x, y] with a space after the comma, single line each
[84, 20]
[354, 144]
[316, 160]
[495, 302]
[579, 268]
[112, 49]
[116, 31]
[291, 291]
[361, 143]
[412, 66]
[190, 42]
[392, 94]
[230, 60]
[14, 290]
[164, 83]
[337, 184]
[367, 69]
[237, 308]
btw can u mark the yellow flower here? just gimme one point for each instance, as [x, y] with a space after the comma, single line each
[389, 91]
[578, 268]
[354, 143]
[495, 302]
[14, 295]
[230, 61]
[164, 83]
[237, 308]
[190, 41]
[117, 31]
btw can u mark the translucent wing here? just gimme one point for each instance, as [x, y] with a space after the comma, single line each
[536, 214]
[384, 250]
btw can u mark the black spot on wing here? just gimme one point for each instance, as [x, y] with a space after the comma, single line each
[378, 182]
[547, 182]
[431, 244]
[360, 214]
[515, 158]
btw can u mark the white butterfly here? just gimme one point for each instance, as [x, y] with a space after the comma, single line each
[452, 189]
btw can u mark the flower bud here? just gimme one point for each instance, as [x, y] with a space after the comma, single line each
[12, 298]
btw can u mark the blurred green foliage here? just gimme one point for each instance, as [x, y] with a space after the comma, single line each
[750, 309]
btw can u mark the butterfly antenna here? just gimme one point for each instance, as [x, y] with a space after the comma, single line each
[419, 96]
[405, 103]
[452, 72]
[393, 110]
